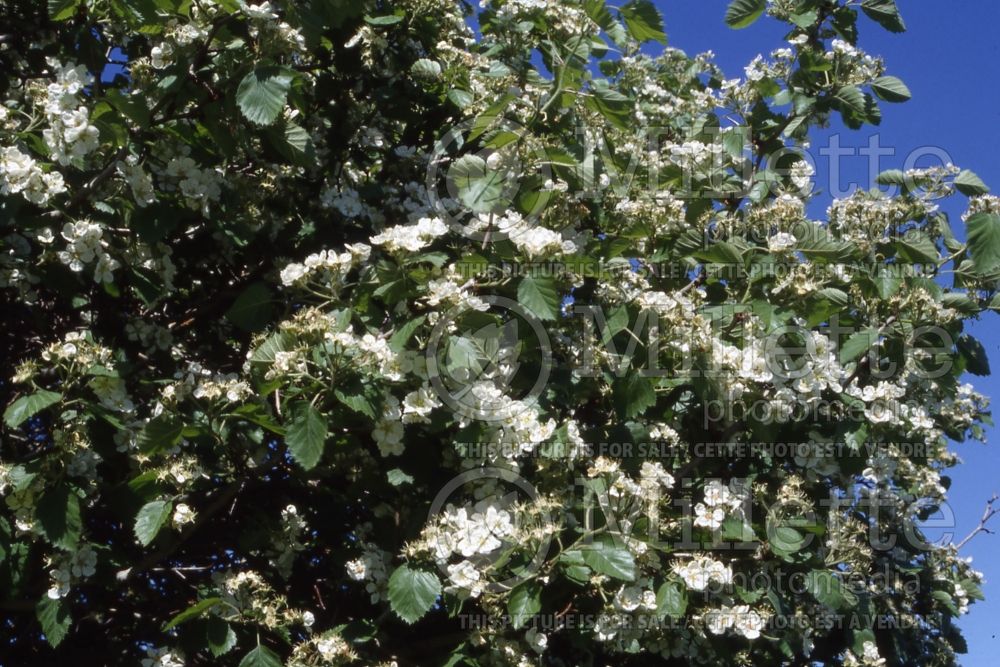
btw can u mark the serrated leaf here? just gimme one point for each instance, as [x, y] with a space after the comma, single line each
[742, 13]
[58, 513]
[219, 636]
[192, 612]
[857, 344]
[984, 241]
[306, 435]
[632, 395]
[643, 22]
[460, 98]
[253, 308]
[160, 433]
[150, 519]
[976, 360]
[851, 98]
[538, 294]
[53, 615]
[479, 187]
[263, 92]
[671, 599]
[412, 592]
[891, 89]
[523, 603]
[885, 13]
[605, 558]
[398, 340]
[425, 68]
[891, 177]
[969, 184]
[828, 589]
[360, 401]
[261, 656]
[28, 406]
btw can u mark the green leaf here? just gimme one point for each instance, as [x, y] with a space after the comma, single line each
[58, 513]
[263, 92]
[388, 19]
[412, 592]
[425, 68]
[643, 22]
[261, 657]
[253, 308]
[850, 98]
[885, 13]
[891, 89]
[361, 400]
[479, 187]
[306, 435]
[28, 406]
[632, 395]
[192, 612]
[969, 184]
[976, 360]
[293, 141]
[671, 599]
[159, 434]
[398, 340]
[53, 615]
[891, 177]
[220, 636]
[258, 414]
[610, 103]
[742, 13]
[984, 241]
[150, 519]
[60, 10]
[858, 344]
[523, 603]
[461, 98]
[605, 558]
[828, 589]
[538, 294]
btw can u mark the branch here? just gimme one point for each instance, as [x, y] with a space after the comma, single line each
[167, 550]
[988, 514]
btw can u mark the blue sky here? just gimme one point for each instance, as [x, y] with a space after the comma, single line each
[950, 58]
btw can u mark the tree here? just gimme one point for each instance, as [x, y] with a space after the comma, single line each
[407, 333]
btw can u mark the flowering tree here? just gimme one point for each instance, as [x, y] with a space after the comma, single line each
[394, 333]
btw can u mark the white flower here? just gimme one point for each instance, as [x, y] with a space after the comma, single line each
[748, 622]
[538, 641]
[262, 11]
[719, 620]
[418, 404]
[357, 569]
[183, 515]
[464, 576]
[292, 273]
[781, 242]
[388, 435]
[83, 562]
[709, 517]
[162, 657]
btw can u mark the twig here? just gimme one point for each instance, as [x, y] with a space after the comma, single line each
[988, 514]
